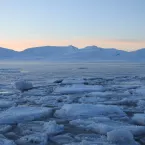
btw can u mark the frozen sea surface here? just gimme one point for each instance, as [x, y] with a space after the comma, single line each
[72, 104]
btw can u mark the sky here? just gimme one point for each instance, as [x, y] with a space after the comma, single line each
[104, 23]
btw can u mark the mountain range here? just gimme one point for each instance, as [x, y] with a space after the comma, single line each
[73, 54]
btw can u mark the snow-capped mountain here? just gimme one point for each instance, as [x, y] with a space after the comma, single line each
[47, 52]
[73, 54]
[7, 53]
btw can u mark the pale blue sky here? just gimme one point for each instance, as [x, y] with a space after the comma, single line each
[106, 23]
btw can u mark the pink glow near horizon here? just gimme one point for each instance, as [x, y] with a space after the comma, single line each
[80, 43]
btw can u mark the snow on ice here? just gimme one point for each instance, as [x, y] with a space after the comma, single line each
[88, 110]
[22, 114]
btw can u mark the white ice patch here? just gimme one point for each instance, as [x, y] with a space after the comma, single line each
[52, 128]
[88, 110]
[121, 137]
[99, 94]
[23, 85]
[23, 114]
[139, 119]
[77, 89]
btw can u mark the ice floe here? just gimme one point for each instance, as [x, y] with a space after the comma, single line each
[141, 90]
[62, 139]
[121, 137]
[37, 139]
[5, 141]
[52, 128]
[102, 125]
[22, 114]
[139, 119]
[99, 94]
[49, 128]
[23, 85]
[6, 104]
[77, 89]
[88, 110]
[72, 81]
[5, 128]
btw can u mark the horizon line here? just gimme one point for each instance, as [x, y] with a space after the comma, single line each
[71, 46]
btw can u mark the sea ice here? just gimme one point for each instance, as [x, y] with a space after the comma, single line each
[88, 110]
[36, 138]
[62, 139]
[77, 89]
[102, 125]
[121, 137]
[23, 114]
[68, 81]
[49, 128]
[52, 128]
[4, 141]
[139, 119]
[99, 94]
[141, 90]
[6, 104]
[91, 100]
[141, 104]
[5, 128]
[23, 85]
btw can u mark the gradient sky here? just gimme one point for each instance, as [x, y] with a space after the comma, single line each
[105, 23]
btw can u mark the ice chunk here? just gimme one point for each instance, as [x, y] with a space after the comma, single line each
[58, 81]
[72, 81]
[5, 128]
[6, 104]
[23, 85]
[141, 104]
[37, 139]
[96, 124]
[52, 128]
[139, 119]
[121, 137]
[125, 101]
[78, 89]
[4, 141]
[102, 125]
[54, 100]
[95, 142]
[49, 128]
[100, 94]
[62, 139]
[91, 100]
[88, 110]
[23, 114]
[141, 91]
